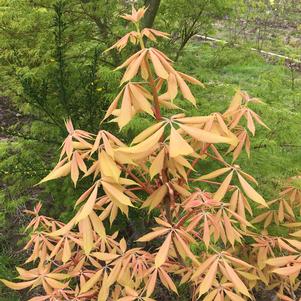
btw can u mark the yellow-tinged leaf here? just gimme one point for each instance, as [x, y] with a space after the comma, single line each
[25, 275]
[58, 276]
[260, 218]
[229, 230]
[181, 190]
[194, 120]
[74, 169]
[218, 196]
[283, 245]
[115, 193]
[172, 86]
[280, 261]
[104, 290]
[163, 251]
[294, 243]
[146, 144]
[292, 225]
[178, 146]
[203, 267]
[206, 233]
[55, 284]
[248, 276]
[147, 132]
[133, 67]
[208, 137]
[108, 166]
[115, 273]
[97, 225]
[209, 278]
[66, 251]
[41, 298]
[233, 297]
[251, 192]
[167, 281]
[157, 164]
[89, 205]
[17, 286]
[250, 123]
[155, 198]
[186, 249]
[153, 235]
[65, 229]
[236, 102]
[111, 108]
[91, 282]
[214, 174]
[211, 295]
[87, 233]
[185, 89]
[238, 284]
[59, 172]
[130, 291]
[238, 261]
[105, 256]
[159, 69]
[151, 283]
[287, 271]
[296, 234]
[191, 79]
[125, 115]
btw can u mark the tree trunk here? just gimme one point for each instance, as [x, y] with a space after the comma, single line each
[150, 15]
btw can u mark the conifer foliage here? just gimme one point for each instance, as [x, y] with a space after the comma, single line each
[199, 233]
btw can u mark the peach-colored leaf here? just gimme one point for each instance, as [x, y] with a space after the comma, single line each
[91, 282]
[215, 174]
[250, 192]
[151, 283]
[205, 136]
[17, 286]
[88, 207]
[155, 198]
[233, 297]
[163, 251]
[287, 271]
[238, 284]
[58, 173]
[157, 164]
[159, 69]
[153, 235]
[147, 132]
[146, 144]
[209, 278]
[218, 196]
[178, 146]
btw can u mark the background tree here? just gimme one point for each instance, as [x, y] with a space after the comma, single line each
[150, 15]
[191, 18]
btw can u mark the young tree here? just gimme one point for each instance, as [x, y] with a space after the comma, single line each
[198, 227]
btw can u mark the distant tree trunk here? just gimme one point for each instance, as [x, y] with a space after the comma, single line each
[150, 15]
